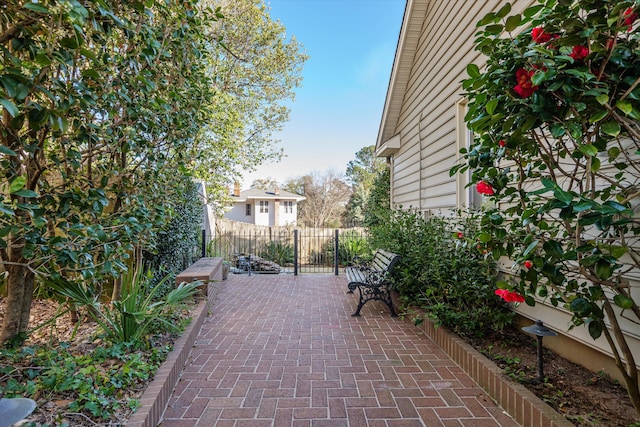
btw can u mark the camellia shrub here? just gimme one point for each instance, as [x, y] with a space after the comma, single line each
[555, 114]
[442, 272]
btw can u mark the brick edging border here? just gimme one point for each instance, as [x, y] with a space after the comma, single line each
[525, 408]
[156, 396]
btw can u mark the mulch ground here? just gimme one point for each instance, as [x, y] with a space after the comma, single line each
[585, 398]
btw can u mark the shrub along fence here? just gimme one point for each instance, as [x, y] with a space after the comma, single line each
[295, 250]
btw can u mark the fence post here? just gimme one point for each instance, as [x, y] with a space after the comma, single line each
[335, 253]
[204, 243]
[249, 253]
[295, 252]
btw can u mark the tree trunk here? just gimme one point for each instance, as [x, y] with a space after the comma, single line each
[18, 304]
[627, 367]
[117, 289]
[20, 280]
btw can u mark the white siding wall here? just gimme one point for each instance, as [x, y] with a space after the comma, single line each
[288, 218]
[263, 218]
[430, 131]
[427, 124]
[238, 213]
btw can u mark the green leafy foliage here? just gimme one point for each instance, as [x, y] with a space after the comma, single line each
[107, 108]
[172, 248]
[279, 252]
[129, 319]
[555, 117]
[94, 383]
[442, 271]
[104, 104]
[378, 203]
[352, 245]
[361, 174]
[257, 68]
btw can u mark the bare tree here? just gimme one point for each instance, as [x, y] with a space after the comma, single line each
[326, 197]
[264, 184]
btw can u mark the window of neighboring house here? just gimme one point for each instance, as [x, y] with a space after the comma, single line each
[248, 209]
[467, 197]
[264, 206]
[288, 207]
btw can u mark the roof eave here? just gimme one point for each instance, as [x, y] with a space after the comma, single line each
[412, 21]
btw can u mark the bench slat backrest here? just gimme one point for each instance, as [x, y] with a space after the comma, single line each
[384, 261]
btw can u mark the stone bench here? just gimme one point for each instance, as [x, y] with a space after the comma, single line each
[205, 270]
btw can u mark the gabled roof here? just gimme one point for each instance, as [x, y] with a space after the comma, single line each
[414, 14]
[255, 194]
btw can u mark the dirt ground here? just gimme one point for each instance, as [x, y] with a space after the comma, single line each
[583, 397]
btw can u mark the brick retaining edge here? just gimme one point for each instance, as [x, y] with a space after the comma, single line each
[155, 398]
[522, 405]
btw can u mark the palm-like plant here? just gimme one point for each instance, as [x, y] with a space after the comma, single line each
[128, 319]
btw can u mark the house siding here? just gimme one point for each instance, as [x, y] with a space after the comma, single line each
[427, 122]
[264, 218]
[424, 108]
[287, 218]
[239, 212]
[277, 214]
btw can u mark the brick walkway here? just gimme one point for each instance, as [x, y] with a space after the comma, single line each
[281, 350]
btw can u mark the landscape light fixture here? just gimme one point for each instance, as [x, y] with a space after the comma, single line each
[15, 409]
[540, 331]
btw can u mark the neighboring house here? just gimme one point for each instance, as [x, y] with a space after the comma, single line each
[423, 129]
[260, 207]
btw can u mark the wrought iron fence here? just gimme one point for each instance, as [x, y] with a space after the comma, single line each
[288, 250]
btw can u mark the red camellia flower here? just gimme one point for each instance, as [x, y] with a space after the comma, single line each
[484, 188]
[509, 296]
[528, 264]
[538, 35]
[630, 17]
[524, 88]
[579, 53]
[502, 143]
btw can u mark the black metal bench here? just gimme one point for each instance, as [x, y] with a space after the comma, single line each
[373, 280]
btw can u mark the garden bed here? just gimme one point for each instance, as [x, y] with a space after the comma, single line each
[583, 397]
[54, 407]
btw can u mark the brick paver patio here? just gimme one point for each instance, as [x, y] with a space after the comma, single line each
[283, 350]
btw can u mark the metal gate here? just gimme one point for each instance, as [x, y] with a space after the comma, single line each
[316, 252]
[285, 250]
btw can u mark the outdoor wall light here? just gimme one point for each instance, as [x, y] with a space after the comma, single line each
[540, 331]
[15, 409]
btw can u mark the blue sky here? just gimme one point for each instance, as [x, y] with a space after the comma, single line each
[337, 111]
